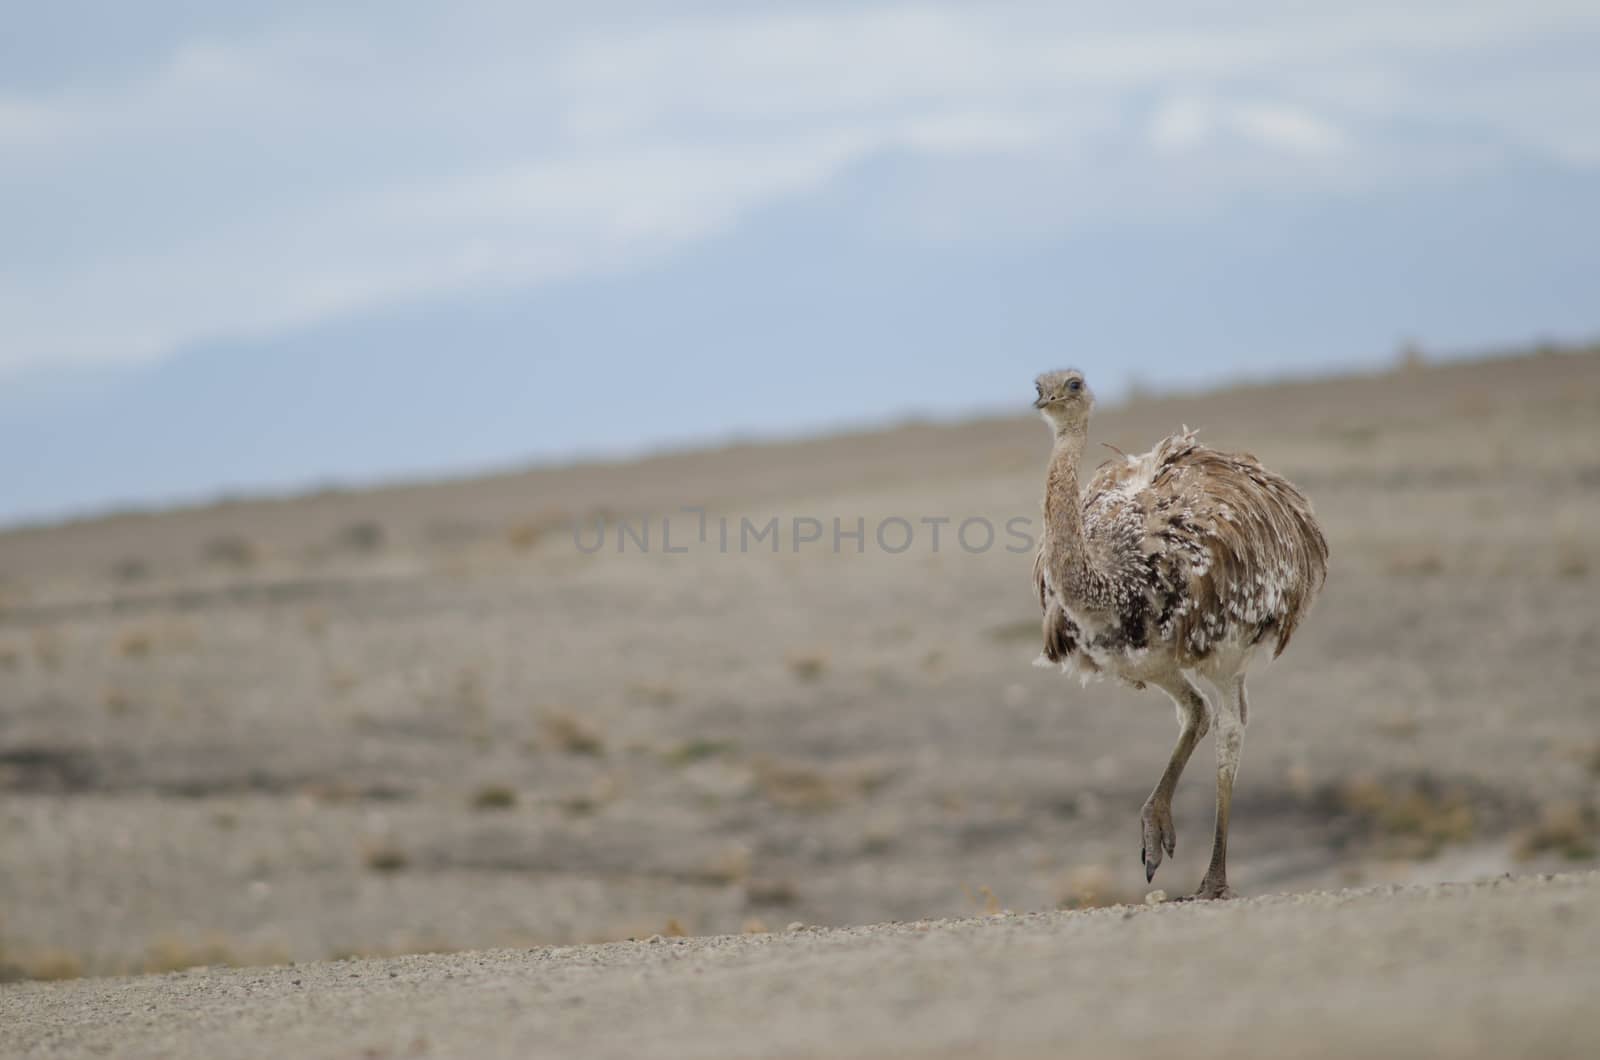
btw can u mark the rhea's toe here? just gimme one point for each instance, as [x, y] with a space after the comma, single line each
[1159, 838]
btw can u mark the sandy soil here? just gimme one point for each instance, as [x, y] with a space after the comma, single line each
[422, 719]
[1487, 970]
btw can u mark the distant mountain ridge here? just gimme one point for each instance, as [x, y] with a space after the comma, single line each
[801, 318]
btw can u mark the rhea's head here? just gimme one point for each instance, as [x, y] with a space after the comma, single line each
[1065, 400]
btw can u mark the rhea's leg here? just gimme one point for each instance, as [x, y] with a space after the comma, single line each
[1158, 834]
[1230, 741]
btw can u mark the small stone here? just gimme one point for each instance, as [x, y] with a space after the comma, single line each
[797, 926]
[1155, 897]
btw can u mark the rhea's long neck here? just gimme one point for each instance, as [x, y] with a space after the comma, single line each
[1067, 557]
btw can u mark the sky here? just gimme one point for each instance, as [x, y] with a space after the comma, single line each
[253, 247]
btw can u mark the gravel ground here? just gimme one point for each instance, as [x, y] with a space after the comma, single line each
[1495, 969]
[419, 719]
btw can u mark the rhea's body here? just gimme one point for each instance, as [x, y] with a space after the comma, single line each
[1179, 563]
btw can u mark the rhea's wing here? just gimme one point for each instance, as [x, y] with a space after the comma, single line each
[1238, 541]
[1060, 632]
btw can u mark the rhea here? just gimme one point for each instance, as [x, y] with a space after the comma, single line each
[1173, 566]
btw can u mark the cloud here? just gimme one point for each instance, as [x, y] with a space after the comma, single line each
[265, 180]
[1185, 124]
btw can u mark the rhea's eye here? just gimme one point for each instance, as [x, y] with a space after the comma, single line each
[1075, 385]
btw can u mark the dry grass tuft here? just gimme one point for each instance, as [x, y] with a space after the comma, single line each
[10, 658]
[656, 693]
[315, 621]
[985, 899]
[569, 734]
[675, 929]
[1571, 562]
[343, 682]
[1570, 829]
[1416, 820]
[494, 797]
[730, 866]
[46, 965]
[117, 702]
[1416, 563]
[1092, 887]
[527, 534]
[1398, 726]
[136, 644]
[177, 954]
[798, 786]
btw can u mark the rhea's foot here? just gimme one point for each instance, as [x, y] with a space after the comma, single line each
[1159, 835]
[1211, 889]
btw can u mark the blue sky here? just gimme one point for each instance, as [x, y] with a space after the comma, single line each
[254, 246]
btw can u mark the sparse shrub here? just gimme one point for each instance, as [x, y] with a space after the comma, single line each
[698, 750]
[1417, 820]
[130, 569]
[367, 535]
[808, 666]
[135, 644]
[1566, 828]
[570, 735]
[494, 797]
[771, 892]
[9, 657]
[386, 857]
[232, 550]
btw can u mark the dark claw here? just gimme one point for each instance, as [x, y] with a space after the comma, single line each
[1149, 872]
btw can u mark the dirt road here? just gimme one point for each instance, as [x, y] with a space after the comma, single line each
[1496, 969]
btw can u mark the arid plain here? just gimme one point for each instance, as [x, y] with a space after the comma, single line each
[426, 718]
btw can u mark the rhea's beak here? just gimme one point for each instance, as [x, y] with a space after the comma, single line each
[1040, 402]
